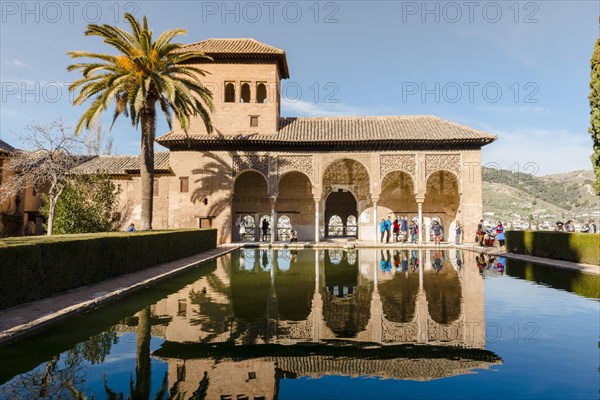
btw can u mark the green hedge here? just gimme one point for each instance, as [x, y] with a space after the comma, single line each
[35, 267]
[577, 247]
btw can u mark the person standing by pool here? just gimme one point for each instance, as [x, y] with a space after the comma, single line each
[382, 228]
[396, 229]
[265, 228]
[388, 227]
[459, 233]
[500, 234]
[404, 229]
[437, 232]
[413, 230]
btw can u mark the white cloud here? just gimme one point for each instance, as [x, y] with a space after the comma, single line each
[308, 109]
[13, 62]
[512, 110]
[539, 151]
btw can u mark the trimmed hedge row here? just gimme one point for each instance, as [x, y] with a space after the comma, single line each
[577, 247]
[36, 267]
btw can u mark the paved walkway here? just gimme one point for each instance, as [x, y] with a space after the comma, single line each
[17, 322]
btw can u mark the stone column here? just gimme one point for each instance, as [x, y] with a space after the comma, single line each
[273, 219]
[317, 220]
[375, 200]
[420, 201]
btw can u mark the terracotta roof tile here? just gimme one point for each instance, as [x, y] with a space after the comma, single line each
[121, 165]
[315, 130]
[241, 48]
[6, 148]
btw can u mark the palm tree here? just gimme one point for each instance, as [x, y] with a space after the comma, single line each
[144, 74]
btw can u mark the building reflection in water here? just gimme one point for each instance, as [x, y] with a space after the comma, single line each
[401, 314]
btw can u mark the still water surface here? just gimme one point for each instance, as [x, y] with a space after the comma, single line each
[267, 324]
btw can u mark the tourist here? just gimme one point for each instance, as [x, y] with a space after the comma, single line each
[131, 227]
[585, 228]
[29, 229]
[293, 236]
[382, 228]
[589, 227]
[500, 234]
[242, 229]
[404, 228]
[396, 229]
[437, 232]
[459, 233]
[265, 228]
[479, 236]
[388, 227]
[559, 226]
[569, 227]
[413, 229]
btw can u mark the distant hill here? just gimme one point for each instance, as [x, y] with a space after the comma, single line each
[513, 196]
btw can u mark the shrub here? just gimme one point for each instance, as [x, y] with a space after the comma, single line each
[35, 267]
[576, 247]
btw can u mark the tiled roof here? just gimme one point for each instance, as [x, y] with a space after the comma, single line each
[121, 165]
[6, 148]
[241, 48]
[316, 131]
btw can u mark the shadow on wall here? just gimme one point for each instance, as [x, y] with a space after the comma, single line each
[217, 177]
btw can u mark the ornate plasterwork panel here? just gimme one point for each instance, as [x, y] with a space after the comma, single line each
[397, 162]
[438, 162]
[302, 164]
[257, 163]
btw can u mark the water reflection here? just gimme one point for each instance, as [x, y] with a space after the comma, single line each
[421, 305]
[402, 314]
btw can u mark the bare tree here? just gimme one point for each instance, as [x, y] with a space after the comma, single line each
[51, 151]
[97, 140]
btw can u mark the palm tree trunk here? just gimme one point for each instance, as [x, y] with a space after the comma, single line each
[142, 368]
[147, 165]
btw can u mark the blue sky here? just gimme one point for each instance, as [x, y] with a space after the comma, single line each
[518, 69]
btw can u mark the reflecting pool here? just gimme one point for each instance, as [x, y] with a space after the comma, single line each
[351, 324]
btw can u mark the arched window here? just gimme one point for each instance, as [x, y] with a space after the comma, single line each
[245, 98]
[284, 226]
[247, 229]
[261, 93]
[264, 236]
[229, 92]
[335, 226]
[351, 226]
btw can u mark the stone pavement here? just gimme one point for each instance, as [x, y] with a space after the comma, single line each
[19, 321]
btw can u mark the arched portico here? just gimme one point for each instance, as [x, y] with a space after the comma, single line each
[295, 200]
[250, 198]
[346, 185]
[442, 201]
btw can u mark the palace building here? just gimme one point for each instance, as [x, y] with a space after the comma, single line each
[324, 177]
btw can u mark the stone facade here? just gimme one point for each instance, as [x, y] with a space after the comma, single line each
[312, 171]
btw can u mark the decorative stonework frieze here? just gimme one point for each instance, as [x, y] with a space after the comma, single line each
[439, 162]
[397, 162]
[302, 164]
[257, 163]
